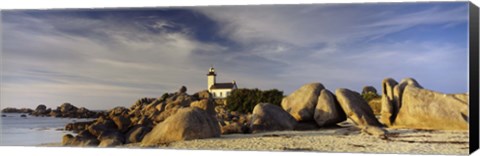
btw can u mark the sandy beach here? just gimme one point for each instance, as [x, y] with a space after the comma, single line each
[341, 139]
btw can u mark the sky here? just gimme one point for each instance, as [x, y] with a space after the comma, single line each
[102, 58]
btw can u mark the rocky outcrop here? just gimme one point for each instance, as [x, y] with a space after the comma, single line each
[301, 103]
[269, 117]
[232, 121]
[111, 139]
[67, 139]
[118, 111]
[186, 124]
[426, 109]
[328, 110]
[205, 104]
[122, 123]
[79, 140]
[66, 110]
[136, 134]
[78, 126]
[389, 106]
[234, 127]
[135, 122]
[356, 108]
[100, 125]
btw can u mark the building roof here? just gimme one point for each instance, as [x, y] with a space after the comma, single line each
[222, 86]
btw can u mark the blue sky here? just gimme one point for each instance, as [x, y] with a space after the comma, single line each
[101, 58]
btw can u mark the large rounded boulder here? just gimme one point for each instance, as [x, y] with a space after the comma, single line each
[269, 117]
[425, 109]
[356, 108]
[301, 103]
[328, 110]
[187, 124]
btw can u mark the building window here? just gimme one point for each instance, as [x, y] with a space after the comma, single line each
[214, 94]
[228, 93]
[221, 94]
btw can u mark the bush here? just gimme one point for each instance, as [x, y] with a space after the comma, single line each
[370, 96]
[244, 100]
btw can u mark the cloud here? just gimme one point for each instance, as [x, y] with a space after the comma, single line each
[101, 59]
[93, 58]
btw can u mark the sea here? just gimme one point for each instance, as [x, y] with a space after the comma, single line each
[33, 131]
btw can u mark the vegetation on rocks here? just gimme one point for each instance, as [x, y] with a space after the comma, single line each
[244, 100]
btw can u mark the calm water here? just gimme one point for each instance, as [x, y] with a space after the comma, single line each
[19, 131]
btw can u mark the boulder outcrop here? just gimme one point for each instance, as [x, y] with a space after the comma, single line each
[269, 117]
[356, 108]
[328, 110]
[389, 106]
[301, 103]
[187, 124]
[426, 109]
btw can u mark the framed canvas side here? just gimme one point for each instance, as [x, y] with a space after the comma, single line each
[474, 77]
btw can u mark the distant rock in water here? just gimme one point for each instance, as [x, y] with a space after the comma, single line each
[23, 116]
[15, 110]
[41, 108]
[66, 110]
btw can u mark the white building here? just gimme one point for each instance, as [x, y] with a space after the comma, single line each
[219, 90]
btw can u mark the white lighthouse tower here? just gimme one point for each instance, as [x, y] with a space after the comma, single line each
[211, 78]
[219, 90]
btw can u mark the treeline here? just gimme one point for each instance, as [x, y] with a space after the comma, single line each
[244, 100]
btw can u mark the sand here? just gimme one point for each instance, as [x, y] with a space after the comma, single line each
[339, 139]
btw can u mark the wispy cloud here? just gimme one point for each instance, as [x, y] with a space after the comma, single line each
[101, 59]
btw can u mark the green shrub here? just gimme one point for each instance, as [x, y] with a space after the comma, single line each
[370, 96]
[244, 100]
